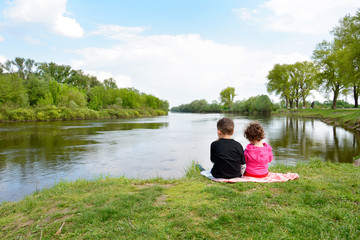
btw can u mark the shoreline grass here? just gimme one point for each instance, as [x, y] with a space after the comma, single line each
[54, 113]
[324, 203]
[348, 118]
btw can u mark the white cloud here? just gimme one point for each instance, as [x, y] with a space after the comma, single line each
[49, 14]
[122, 81]
[2, 59]
[301, 16]
[118, 32]
[183, 68]
[32, 40]
[2, 39]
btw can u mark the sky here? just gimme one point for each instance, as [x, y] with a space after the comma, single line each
[177, 50]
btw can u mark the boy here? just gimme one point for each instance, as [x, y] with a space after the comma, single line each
[226, 153]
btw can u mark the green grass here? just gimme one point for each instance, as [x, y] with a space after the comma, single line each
[324, 203]
[347, 118]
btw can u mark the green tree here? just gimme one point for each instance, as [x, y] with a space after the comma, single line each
[227, 97]
[29, 66]
[279, 82]
[302, 80]
[19, 63]
[347, 38]
[199, 106]
[326, 56]
[21, 66]
[12, 90]
[164, 105]
[36, 89]
[110, 83]
[60, 73]
[130, 97]
[97, 98]
[55, 90]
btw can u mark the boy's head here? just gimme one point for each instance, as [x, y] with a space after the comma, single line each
[225, 126]
[254, 131]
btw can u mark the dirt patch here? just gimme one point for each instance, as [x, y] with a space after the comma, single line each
[147, 185]
[248, 191]
[275, 191]
[161, 200]
[56, 210]
[20, 222]
[357, 162]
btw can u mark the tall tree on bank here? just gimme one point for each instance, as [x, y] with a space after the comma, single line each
[227, 97]
[306, 79]
[21, 66]
[347, 38]
[326, 56]
[279, 82]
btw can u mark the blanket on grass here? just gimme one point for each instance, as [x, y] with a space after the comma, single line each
[271, 177]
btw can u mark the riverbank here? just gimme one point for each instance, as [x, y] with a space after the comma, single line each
[346, 118]
[54, 113]
[323, 203]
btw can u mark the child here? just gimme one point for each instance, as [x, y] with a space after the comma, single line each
[257, 154]
[226, 153]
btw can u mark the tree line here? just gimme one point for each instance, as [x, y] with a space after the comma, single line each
[335, 68]
[257, 104]
[25, 83]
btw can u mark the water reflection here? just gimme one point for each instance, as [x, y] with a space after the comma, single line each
[295, 139]
[36, 155]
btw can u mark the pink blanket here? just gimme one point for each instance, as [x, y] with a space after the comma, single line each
[271, 177]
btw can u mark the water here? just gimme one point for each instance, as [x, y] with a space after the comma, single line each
[37, 155]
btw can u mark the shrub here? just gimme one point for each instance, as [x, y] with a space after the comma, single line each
[53, 114]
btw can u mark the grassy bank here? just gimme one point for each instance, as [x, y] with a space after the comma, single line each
[346, 118]
[323, 204]
[77, 113]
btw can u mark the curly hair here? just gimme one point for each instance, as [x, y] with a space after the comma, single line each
[254, 131]
[226, 126]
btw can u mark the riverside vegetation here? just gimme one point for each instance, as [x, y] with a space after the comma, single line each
[32, 91]
[324, 203]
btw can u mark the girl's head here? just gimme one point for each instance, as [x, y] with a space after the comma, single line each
[254, 131]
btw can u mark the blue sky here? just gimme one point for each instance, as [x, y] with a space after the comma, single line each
[178, 50]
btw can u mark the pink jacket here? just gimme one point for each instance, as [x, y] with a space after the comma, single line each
[257, 159]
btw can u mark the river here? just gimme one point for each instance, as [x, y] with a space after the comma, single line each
[36, 155]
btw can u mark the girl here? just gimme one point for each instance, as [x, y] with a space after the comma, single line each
[257, 154]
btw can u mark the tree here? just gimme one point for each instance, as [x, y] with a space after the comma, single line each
[294, 80]
[96, 98]
[326, 56]
[279, 82]
[20, 65]
[36, 89]
[306, 74]
[23, 67]
[110, 83]
[60, 73]
[227, 97]
[12, 90]
[347, 38]
[29, 65]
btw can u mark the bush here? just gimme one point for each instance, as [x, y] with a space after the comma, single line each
[20, 114]
[257, 104]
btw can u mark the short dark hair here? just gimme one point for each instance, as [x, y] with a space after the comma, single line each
[254, 131]
[225, 126]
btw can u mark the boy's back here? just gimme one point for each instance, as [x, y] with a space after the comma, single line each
[227, 156]
[226, 153]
